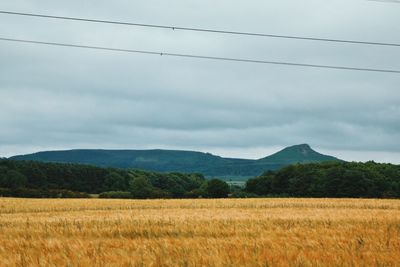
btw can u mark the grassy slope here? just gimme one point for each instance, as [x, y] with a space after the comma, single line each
[182, 161]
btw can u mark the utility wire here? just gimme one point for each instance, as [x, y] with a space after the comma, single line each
[386, 1]
[203, 29]
[199, 56]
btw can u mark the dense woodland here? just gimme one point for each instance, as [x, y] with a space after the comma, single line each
[37, 179]
[332, 179]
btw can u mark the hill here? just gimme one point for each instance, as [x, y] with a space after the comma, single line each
[297, 154]
[182, 161]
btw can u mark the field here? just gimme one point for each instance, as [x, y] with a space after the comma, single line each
[227, 232]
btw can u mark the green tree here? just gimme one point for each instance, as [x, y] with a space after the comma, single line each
[140, 187]
[114, 182]
[217, 188]
[3, 175]
[14, 179]
[260, 185]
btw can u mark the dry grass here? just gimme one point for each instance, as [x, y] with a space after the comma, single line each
[231, 232]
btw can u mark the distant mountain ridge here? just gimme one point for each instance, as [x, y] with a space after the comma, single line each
[182, 161]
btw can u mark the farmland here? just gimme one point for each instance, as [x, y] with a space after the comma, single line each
[225, 232]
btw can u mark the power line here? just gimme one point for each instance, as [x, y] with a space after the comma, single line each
[199, 56]
[203, 29]
[386, 1]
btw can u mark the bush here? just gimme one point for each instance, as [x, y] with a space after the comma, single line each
[242, 194]
[36, 193]
[158, 193]
[116, 194]
[68, 194]
[195, 193]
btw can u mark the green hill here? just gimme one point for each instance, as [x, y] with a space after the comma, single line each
[182, 161]
[297, 154]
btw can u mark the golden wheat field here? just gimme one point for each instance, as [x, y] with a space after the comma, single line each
[226, 232]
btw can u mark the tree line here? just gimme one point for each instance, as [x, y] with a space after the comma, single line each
[38, 179]
[331, 179]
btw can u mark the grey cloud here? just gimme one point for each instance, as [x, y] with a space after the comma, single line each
[69, 98]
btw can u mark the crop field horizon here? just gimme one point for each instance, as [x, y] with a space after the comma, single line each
[199, 232]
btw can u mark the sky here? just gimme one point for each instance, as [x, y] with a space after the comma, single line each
[54, 98]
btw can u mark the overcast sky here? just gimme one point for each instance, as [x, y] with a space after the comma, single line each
[64, 98]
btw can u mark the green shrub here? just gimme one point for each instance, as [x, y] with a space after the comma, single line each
[116, 194]
[242, 194]
[37, 193]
